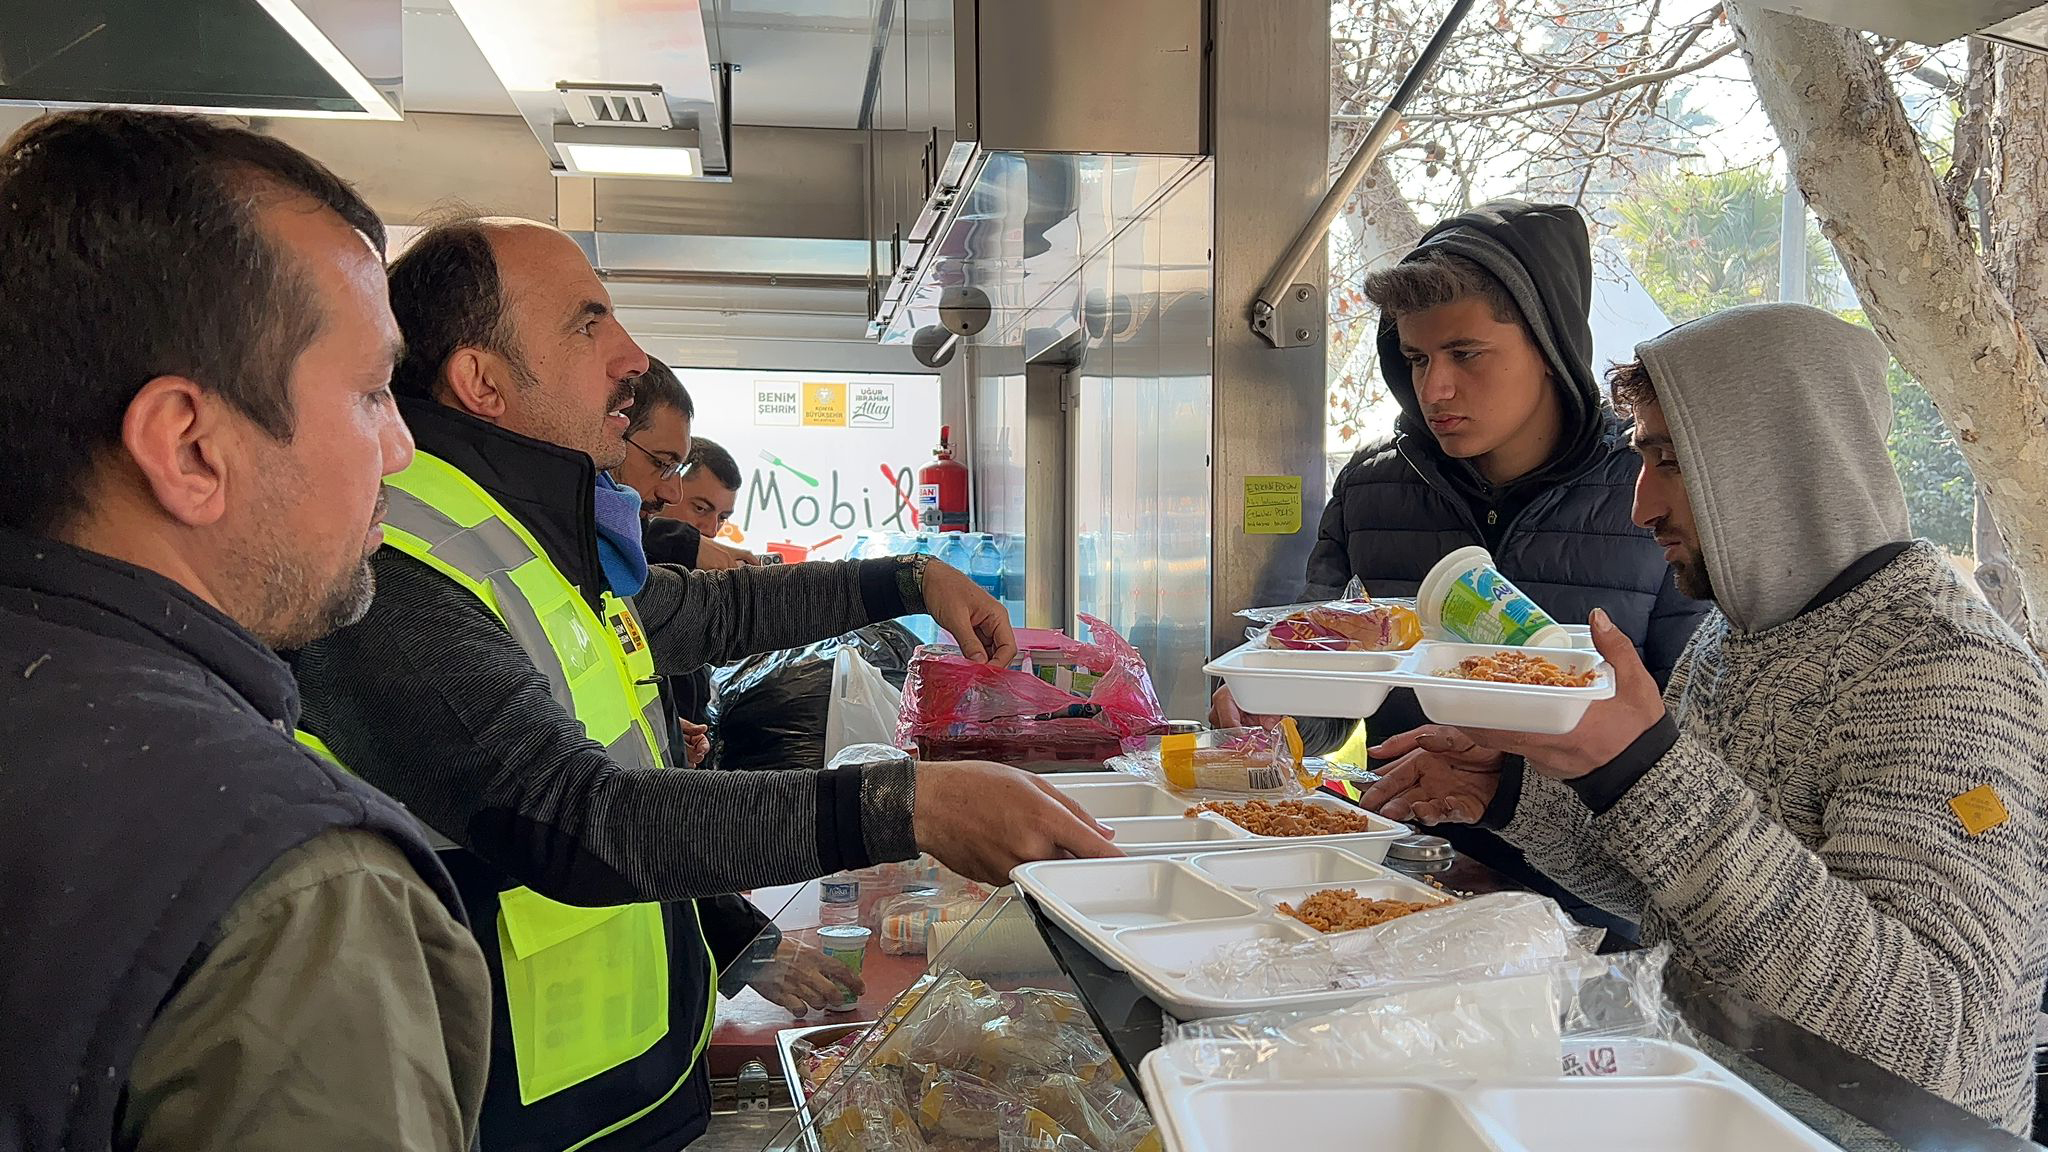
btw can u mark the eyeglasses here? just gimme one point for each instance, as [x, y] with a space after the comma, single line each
[669, 469]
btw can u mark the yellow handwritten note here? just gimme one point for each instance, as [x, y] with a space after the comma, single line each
[1272, 505]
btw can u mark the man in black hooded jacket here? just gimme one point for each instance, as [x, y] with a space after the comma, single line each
[1504, 441]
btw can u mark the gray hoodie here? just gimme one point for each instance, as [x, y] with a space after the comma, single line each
[1780, 414]
[1844, 817]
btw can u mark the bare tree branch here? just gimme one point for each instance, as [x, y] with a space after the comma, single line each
[1967, 160]
[1577, 98]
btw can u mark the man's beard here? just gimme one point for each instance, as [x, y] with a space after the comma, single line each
[1693, 579]
[293, 611]
[288, 606]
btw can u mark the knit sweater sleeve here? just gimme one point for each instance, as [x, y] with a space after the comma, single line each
[1554, 831]
[431, 700]
[1903, 937]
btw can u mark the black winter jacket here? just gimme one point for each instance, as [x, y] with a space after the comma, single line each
[1393, 515]
[1569, 541]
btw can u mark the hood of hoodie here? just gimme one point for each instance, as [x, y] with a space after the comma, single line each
[1779, 413]
[1543, 255]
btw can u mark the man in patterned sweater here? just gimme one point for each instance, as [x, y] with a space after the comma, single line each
[1836, 806]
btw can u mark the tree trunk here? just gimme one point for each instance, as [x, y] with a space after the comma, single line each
[2018, 207]
[1920, 280]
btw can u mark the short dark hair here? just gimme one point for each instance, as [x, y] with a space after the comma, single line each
[446, 295]
[708, 455]
[1432, 278]
[133, 249]
[1631, 387]
[657, 388]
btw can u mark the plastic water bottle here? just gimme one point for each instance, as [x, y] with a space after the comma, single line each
[1014, 580]
[953, 552]
[985, 564]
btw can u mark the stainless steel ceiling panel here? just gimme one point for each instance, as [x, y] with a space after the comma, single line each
[332, 59]
[535, 45]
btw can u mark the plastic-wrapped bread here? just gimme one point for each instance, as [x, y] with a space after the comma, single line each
[1348, 626]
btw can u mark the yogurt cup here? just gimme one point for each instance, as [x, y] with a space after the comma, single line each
[848, 944]
[1466, 596]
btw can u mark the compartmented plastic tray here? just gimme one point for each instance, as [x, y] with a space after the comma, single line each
[1280, 682]
[1151, 821]
[1673, 1100]
[1159, 918]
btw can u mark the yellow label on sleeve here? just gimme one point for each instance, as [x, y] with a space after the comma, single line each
[1980, 809]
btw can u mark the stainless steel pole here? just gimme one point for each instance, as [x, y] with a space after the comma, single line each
[1265, 309]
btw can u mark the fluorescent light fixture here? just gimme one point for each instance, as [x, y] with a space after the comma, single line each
[333, 60]
[673, 161]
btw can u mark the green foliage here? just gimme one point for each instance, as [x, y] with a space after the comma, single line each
[1700, 244]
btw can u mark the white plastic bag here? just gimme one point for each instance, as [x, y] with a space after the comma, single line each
[863, 708]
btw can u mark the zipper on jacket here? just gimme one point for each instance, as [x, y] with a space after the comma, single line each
[1436, 481]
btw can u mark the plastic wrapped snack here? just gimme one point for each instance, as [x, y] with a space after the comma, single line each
[1224, 762]
[959, 1104]
[1570, 1018]
[946, 1029]
[869, 1117]
[1347, 626]
[1504, 934]
[907, 919]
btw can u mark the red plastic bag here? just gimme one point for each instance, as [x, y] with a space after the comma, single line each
[954, 709]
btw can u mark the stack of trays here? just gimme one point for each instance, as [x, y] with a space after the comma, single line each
[1159, 919]
[1282, 682]
[1676, 1100]
[1152, 821]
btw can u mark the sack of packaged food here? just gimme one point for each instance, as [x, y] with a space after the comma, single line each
[956, 709]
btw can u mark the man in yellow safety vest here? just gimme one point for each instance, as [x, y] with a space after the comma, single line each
[503, 687]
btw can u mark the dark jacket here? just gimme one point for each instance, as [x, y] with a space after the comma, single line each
[673, 542]
[148, 778]
[1572, 548]
[430, 698]
[669, 541]
[1563, 533]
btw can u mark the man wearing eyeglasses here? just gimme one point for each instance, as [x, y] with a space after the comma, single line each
[658, 448]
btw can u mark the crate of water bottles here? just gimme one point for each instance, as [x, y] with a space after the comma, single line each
[996, 563]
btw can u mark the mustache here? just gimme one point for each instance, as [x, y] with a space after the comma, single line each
[383, 504]
[620, 395]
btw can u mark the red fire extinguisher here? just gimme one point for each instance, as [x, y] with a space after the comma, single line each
[942, 489]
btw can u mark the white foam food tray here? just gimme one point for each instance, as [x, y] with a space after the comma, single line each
[1675, 1100]
[1279, 682]
[1158, 918]
[1152, 821]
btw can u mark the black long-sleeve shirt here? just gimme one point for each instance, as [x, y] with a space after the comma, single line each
[431, 700]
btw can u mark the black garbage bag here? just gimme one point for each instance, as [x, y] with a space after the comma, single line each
[769, 711]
